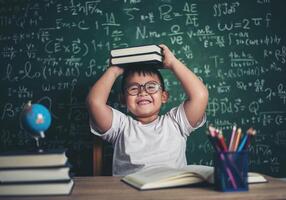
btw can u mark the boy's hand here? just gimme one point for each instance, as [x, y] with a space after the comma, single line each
[116, 70]
[169, 58]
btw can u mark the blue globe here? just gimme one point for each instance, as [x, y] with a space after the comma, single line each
[36, 118]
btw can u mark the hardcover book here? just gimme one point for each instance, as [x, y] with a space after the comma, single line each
[136, 50]
[13, 175]
[153, 58]
[148, 55]
[32, 189]
[47, 158]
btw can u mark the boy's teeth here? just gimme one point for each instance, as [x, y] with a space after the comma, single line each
[143, 102]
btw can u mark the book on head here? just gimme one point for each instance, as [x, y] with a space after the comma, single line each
[145, 55]
[165, 177]
[46, 158]
[143, 59]
[136, 50]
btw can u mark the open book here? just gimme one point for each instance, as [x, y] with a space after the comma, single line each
[163, 177]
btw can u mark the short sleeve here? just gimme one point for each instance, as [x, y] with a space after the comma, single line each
[118, 122]
[179, 115]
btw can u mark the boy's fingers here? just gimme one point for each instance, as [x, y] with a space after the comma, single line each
[164, 47]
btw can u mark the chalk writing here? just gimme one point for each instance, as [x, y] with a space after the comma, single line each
[53, 51]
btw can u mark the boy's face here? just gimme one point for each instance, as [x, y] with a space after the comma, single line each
[145, 105]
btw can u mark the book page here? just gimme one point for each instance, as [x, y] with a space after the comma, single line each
[254, 177]
[159, 177]
[176, 181]
[154, 174]
[206, 172]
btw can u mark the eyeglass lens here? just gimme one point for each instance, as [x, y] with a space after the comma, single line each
[149, 87]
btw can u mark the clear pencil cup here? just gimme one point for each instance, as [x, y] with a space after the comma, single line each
[231, 171]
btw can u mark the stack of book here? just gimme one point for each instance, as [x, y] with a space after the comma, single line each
[35, 173]
[135, 56]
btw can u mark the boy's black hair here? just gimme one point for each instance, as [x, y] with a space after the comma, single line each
[141, 71]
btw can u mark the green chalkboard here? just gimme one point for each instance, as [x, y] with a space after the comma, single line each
[53, 51]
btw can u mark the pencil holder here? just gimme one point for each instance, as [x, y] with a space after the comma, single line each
[231, 171]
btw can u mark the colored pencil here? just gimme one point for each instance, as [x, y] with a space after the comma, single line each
[243, 143]
[251, 132]
[222, 141]
[237, 138]
[230, 147]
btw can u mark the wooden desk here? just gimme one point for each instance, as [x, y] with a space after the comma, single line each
[111, 188]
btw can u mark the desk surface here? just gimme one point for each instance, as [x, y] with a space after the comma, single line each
[111, 188]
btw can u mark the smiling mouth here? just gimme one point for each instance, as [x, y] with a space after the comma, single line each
[143, 102]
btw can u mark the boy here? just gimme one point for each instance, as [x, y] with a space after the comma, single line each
[148, 139]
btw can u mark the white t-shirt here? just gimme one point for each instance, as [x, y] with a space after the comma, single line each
[159, 143]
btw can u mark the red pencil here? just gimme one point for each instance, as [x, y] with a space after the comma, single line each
[222, 142]
[251, 132]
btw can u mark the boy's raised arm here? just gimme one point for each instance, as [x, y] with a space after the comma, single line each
[100, 113]
[196, 91]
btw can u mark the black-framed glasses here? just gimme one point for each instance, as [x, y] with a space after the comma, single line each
[150, 87]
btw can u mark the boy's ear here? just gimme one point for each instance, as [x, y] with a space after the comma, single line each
[165, 96]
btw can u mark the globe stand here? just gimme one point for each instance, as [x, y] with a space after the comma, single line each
[37, 139]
